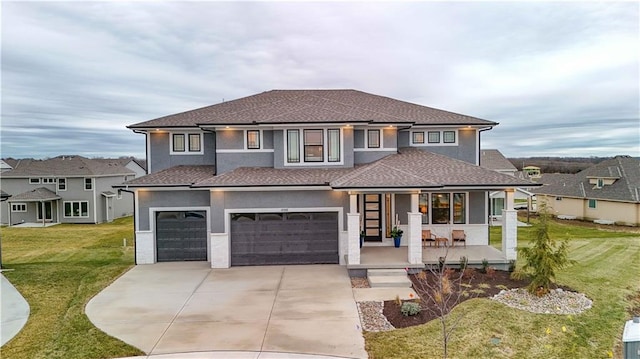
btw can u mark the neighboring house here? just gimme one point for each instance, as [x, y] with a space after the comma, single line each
[294, 176]
[139, 167]
[495, 160]
[608, 191]
[531, 171]
[65, 189]
[4, 167]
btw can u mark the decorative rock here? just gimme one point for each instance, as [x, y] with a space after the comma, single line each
[556, 301]
[371, 317]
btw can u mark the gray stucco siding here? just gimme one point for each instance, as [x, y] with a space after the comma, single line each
[361, 157]
[478, 207]
[230, 161]
[161, 158]
[358, 139]
[180, 198]
[402, 207]
[390, 138]
[230, 139]
[273, 200]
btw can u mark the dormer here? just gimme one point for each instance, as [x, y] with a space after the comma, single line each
[599, 182]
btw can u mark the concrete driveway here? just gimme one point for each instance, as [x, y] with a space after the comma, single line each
[189, 307]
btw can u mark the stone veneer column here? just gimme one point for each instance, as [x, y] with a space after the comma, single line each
[220, 250]
[414, 238]
[145, 248]
[353, 245]
[509, 226]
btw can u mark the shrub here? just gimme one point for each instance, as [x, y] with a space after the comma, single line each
[410, 309]
[468, 273]
[491, 272]
[485, 265]
[512, 266]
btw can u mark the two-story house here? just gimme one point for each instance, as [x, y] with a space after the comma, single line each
[65, 189]
[295, 176]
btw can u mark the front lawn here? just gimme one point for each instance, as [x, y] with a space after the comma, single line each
[606, 271]
[58, 270]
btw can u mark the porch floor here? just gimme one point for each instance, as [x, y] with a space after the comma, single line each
[34, 225]
[391, 257]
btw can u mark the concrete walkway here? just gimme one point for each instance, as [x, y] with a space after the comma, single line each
[261, 312]
[15, 311]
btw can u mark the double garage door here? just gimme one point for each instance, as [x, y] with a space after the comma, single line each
[284, 238]
[256, 238]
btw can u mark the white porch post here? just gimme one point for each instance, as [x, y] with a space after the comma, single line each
[353, 230]
[509, 226]
[414, 232]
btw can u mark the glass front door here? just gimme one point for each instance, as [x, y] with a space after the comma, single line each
[372, 218]
[48, 211]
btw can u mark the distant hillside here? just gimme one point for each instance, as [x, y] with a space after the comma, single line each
[557, 164]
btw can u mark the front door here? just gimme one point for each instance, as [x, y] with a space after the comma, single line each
[48, 213]
[372, 218]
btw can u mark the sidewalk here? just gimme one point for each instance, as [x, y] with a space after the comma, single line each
[15, 311]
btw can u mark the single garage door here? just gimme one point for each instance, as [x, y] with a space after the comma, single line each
[181, 236]
[284, 238]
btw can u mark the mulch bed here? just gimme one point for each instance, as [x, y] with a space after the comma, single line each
[480, 285]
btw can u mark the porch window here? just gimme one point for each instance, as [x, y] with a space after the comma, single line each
[592, 203]
[373, 138]
[423, 206]
[293, 146]
[253, 139]
[76, 209]
[18, 207]
[459, 208]
[333, 139]
[62, 184]
[440, 208]
[313, 146]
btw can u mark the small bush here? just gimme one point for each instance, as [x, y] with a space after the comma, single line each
[397, 300]
[409, 309]
[468, 273]
[485, 265]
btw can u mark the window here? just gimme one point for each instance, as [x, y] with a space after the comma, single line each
[333, 142]
[434, 136]
[440, 208]
[18, 207]
[194, 142]
[48, 180]
[592, 203]
[373, 138]
[313, 146]
[76, 209]
[449, 136]
[34, 180]
[253, 139]
[62, 184]
[558, 198]
[293, 146]
[88, 184]
[600, 183]
[418, 137]
[183, 143]
[178, 142]
[459, 208]
[423, 207]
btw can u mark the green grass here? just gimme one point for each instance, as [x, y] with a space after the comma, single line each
[58, 270]
[606, 271]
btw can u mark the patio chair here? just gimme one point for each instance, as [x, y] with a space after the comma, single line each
[427, 237]
[458, 235]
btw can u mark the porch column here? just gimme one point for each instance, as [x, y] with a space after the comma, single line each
[509, 226]
[353, 231]
[414, 232]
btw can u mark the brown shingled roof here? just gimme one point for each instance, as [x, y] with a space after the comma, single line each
[312, 106]
[66, 166]
[174, 176]
[266, 176]
[34, 195]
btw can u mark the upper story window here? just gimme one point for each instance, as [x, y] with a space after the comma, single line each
[49, 180]
[592, 203]
[314, 146]
[373, 138]
[186, 143]
[600, 183]
[34, 180]
[88, 184]
[253, 139]
[434, 138]
[62, 184]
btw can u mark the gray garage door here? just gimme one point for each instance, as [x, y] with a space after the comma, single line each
[181, 236]
[284, 238]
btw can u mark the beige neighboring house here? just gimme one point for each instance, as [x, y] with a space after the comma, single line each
[608, 192]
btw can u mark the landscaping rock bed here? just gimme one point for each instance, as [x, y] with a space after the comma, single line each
[371, 317]
[557, 301]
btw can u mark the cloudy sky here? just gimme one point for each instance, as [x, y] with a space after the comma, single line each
[562, 78]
